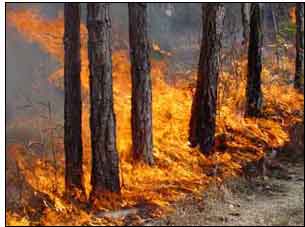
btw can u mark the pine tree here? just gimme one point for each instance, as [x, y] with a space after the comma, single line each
[105, 159]
[245, 13]
[254, 93]
[203, 116]
[299, 64]
[73, 106]
[141, 117]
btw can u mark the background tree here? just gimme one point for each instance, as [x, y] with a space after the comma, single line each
[141, 111]
[254, 92]
[273, 9]
[73, 106]
[105, 159]
[245, 15]
[203, 116]
[299, 65]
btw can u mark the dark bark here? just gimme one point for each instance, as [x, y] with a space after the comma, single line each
[299, 63]
[253, 91]
[73, 106]
[141, 111]
[245, 15]
[105, 159]
[203, 116]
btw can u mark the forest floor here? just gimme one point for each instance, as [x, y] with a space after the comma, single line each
[275, 201]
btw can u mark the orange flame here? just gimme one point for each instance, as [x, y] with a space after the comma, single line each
[292, 15]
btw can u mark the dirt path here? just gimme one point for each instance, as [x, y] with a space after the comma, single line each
[272, 201]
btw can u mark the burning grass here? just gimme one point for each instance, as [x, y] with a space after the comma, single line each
[179, 170]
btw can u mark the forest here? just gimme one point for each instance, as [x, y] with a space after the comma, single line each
[154, 114]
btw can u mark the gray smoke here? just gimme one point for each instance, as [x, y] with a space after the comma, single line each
[172, 26]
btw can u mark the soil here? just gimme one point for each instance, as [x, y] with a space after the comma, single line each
[275, 200]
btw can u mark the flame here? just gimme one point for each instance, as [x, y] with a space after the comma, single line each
[292, 15]
[157, 48]
[179, 169]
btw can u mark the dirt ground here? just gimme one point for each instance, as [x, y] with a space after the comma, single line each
[275, 201]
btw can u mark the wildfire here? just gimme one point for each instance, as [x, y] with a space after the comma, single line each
[179, 169]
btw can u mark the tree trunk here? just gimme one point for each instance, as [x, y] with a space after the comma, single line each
[141, 111]
[73, 105]
[274, 19]
[203, 116]
[276, 33]
[105, 159]
[254, 92]
[299, 64]
[245, 15]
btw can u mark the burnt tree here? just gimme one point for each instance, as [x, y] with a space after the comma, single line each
[105, 159]
[203, 115]
[253, 91]
[245, 15]
[141, 110]
[299, 62]
[73, 106]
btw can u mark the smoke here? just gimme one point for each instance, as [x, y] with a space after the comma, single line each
[176, 27]
[28, 66]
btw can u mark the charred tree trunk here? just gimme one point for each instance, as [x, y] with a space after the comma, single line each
[141, 111]
[299, 64]
[105, 159]
[73, 106]
[203, 116]
[254, 92]
[245, 15]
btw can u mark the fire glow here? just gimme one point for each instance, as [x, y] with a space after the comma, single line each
[179, 170]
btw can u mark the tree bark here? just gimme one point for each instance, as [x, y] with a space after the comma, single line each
[253, 91]
[203, 115]
[105, 159]
[141, 118]
[73, 106]
[299, 63]
[245, 15]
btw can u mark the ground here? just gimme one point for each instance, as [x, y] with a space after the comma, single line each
[274, 200]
